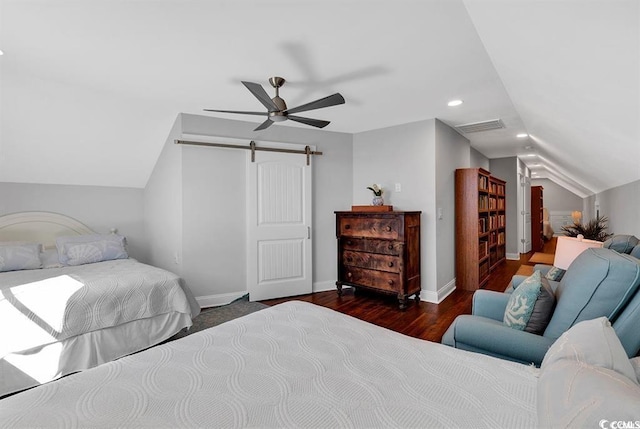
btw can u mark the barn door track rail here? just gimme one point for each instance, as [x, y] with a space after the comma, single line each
[253, 148]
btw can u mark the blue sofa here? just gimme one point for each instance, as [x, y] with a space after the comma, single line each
[599, 282]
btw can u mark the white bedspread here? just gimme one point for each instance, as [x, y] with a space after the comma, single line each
[292, 365]
[44, 314]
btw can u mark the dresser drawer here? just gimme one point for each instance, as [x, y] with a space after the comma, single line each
[372, 278]
[372, 245]
[369, 227]
[371, 260]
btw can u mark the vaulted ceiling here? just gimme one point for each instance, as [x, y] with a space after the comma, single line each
[90, 89]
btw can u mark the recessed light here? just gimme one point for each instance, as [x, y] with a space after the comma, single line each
[522, 135]
[1, 53]
[454, 103]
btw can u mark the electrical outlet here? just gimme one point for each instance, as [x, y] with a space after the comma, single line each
[176, 258]
[398, 187]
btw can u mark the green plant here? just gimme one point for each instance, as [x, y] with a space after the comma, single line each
[595, 229]
[377, 190]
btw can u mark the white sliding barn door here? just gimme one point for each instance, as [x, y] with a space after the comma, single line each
[278, 225]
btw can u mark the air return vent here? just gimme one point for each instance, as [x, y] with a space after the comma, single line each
[493, 124]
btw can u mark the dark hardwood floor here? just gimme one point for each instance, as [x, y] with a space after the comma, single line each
[420, 319]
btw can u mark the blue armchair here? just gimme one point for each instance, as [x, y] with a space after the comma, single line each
[599, 282]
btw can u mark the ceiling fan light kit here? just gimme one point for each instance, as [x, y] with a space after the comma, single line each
[277, 110]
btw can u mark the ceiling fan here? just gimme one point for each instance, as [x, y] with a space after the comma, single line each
[277, 110]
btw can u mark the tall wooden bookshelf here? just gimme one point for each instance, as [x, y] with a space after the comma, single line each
[480, 226]
[537, 218]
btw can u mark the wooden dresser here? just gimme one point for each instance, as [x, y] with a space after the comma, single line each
[380, 251]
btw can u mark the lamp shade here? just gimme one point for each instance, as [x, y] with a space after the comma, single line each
[568, 249]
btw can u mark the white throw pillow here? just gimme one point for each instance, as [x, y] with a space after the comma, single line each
[571, 394]
[592, 342]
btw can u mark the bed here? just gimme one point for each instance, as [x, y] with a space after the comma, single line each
[69, 317]
[292, 365]
[300, 365]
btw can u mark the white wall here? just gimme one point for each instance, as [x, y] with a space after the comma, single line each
[621, 206]
[99, 207]
[213, 197]
[163, 205]
[558, 198]
[452, 152]
[478, 160]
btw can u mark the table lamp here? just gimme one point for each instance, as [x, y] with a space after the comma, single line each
[568, 249]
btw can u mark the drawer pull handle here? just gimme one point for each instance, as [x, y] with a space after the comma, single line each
[349, 259]
[349, 275]
[349, 242]
[390, 282]
[388, 229]
[391, 264]
[347, 226]
[390, 247]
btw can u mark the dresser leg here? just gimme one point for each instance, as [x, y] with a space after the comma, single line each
[339, 287]
[417, 296]
[403, 302]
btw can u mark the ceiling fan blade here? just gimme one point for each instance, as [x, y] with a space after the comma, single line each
[331, 100]
[308, 121]
[264, 125]
[237, 111]
[258, 91]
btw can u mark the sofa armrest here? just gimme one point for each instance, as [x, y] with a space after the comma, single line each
[490, 337]
[489, 304]
[515, 282]
[543, 268]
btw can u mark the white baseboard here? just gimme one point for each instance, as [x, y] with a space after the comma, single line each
[226, 298]
[513, 256]
[438, 296]
[219, 299]
[324, 286]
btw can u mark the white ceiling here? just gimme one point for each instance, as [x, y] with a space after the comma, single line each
[90, 89]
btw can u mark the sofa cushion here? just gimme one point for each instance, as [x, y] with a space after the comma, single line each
[598, 283]
[621, 243]
[635, 252]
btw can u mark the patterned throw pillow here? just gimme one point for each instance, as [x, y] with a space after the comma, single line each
[555, 274]
[23, 256]
[87, 249]
[521, 302]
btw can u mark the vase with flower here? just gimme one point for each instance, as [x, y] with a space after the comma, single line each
[377, 195]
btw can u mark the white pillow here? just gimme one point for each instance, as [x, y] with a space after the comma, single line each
[592, 342]
[50, 259]
[577, 395]
[635, 363]
[20, 256]
[86, 249]
[586, 379]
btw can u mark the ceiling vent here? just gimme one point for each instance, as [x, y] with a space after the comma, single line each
[493, 124]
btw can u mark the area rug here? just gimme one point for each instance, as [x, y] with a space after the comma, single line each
[542, 258]
[213, 316]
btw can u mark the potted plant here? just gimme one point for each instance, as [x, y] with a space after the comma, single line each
[377, 195]
[595, 229]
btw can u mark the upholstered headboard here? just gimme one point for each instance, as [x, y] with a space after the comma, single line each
[39, 227]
